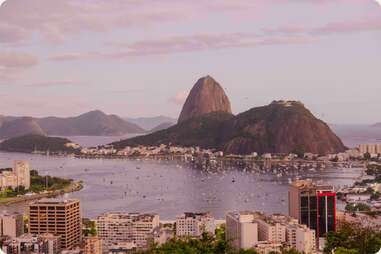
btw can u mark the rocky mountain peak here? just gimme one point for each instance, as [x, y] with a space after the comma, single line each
[206, 96]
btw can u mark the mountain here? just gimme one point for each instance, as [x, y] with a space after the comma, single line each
[376, 125]
[205, 97]
[162, 126]
[198, 131]
[20, 127]
[4, 119]
[280, 127]
[93, 123]
[29, 143]
[148, 123]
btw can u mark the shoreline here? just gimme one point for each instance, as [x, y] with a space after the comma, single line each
[73, 187]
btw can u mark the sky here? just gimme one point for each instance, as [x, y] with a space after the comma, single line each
[139, 58]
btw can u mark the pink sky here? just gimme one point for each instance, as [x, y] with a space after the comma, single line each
[141, 57]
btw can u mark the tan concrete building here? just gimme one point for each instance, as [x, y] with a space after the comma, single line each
[301, 238]
[19, 176]
[372, 149]
[61, 217]
[11, 225]
[93, 245]
[121, 228]
[271, 231]
[195, 224]
[242, 230]
[22, 171]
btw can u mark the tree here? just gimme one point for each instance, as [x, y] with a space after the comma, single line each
[341, 250]
[354, 237]
[367, 156]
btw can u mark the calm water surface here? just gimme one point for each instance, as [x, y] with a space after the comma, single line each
[170, 189]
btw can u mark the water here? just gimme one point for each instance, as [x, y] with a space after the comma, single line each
[169, 189]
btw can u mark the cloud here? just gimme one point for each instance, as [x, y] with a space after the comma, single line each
[55, 21]
[14, 62]
[54, 83]
[183, 44]
[179, 98]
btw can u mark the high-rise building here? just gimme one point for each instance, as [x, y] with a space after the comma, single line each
[93, 245]
[18, 177]
[241, 230]
[126, 228]
[61, 217]
[301, 238]
[22, 171]
[270, 230]
[313, 205]
[372, 149]
[195, 224]
[11, 225]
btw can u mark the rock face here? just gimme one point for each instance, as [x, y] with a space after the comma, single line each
[281, 127]
[205, 97]
[19, 127]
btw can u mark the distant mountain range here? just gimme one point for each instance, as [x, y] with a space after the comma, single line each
[377, 125]
[151, 123]
[94, 123]
[280, 127]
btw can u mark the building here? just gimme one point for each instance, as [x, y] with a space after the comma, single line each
[93, 245]
[372, 149]
[301, 238]
[268, 248]
[266, 234]
[61, 217]
[241, 230]
[270, 230]
[313, 205]
[11, 225]
[22, 171]
[195, 224]
[124, 228]
[27, 243]
[19, 176]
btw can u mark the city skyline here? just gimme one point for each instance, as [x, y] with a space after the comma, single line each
[141, 59]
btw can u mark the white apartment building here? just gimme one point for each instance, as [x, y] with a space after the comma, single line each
[245, 230]
[11, 225]
[301, 238]
[124, 228]
[22, 171]
[241, 230]
[195, 224]
[271, 231]
[19, 176]
[372, 149]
